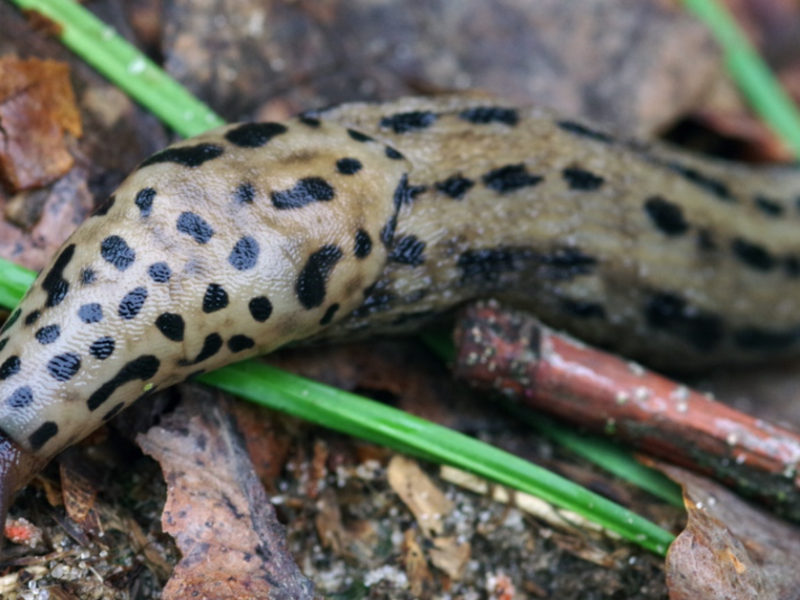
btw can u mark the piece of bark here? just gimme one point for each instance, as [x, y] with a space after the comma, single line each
[223, 522]
[512, 353]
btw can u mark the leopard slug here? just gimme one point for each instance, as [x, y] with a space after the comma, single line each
[376, 218]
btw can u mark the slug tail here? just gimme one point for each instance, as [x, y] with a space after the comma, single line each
[17, 467]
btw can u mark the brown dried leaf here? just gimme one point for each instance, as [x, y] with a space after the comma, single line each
[37, 106]
[450, 556]
[79, 498]
[419, 494]
[217, 510]
[419, 575]
[730, 549]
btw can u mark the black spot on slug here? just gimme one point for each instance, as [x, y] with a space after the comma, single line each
[102, 347]
[582, 180]
[211, 345]
[582, 130]
[305, 191]
[408, 250]
[348, 166]
[768, 206]
[358, 136]
[405, 193]
[245, 193]
[764, 340]
[159, 272]
[54, 283]
[666, 216]
[329, 314]
[48, 334]
[791, 265]
[90, 313]
[63, 367]
[195, 226]
[106, 206]
[244, 255]
[488, 264]
[88, 276]
[455, 186]
[313, 278]
[753, 255]
[510, 178]
[409, 121]
[254, 135]
[144, 200]
[21, 397]
[565, 263]
[393, 154]
[583, 309]
[671, 313]
[705, 240]
[215, 298]
[188, 156]
[238, 343]
[309, 121]
[46, 431]
[260, 308]
[481, 115]
[172, 326]
[363, 245]
[116, 251]
[387, 231]
[132, 303]
[717, 188]
[10, 366]
[141, 368]
[32, 317]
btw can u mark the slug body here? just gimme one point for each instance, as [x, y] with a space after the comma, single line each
[366, 219]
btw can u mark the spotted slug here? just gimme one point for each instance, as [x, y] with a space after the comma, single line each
[378, 218]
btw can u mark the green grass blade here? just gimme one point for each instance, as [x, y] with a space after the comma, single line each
[14, 282]
[123, 64]
[753, 76]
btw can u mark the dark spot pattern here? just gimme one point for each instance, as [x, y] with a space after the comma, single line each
[63, 367]
[348, 166]
[510, 178]
[304, 192]
[106, 206]
[54, 283]
[102, 347]
[363, 245]
[48, 334]
[584, 131]
[455, 186]
[10, 366]
[132, 303]
[90, 313]
[309, 121]
[88, 276]
[195, 226]
[409, 121]
[172, 326]
[715, 187]
[313, 278]
[260, 308]
[21, 397]
[482, 115]
[408, 250]
[404, 193]
[188, 156]
[393, 154]
[358, 136]
[144, 200]
[244, 255]
[754, 256]
[245, 193]
[666, 216]
[330, 312]
[239, 343]
[159, 272]
[768, 206]
[582, 180]
[791, 265]
[141, 368]
[215, 298]
[764, 340]
[46, 431]
[32, 317]
[705, 240]
[116, 251]
[583, 309]
[672, 314]
[11, 320]
[211, 345]
[488, 264]
[566, 263]
[254, 135]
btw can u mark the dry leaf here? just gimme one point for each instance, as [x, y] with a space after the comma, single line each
[419, 494]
